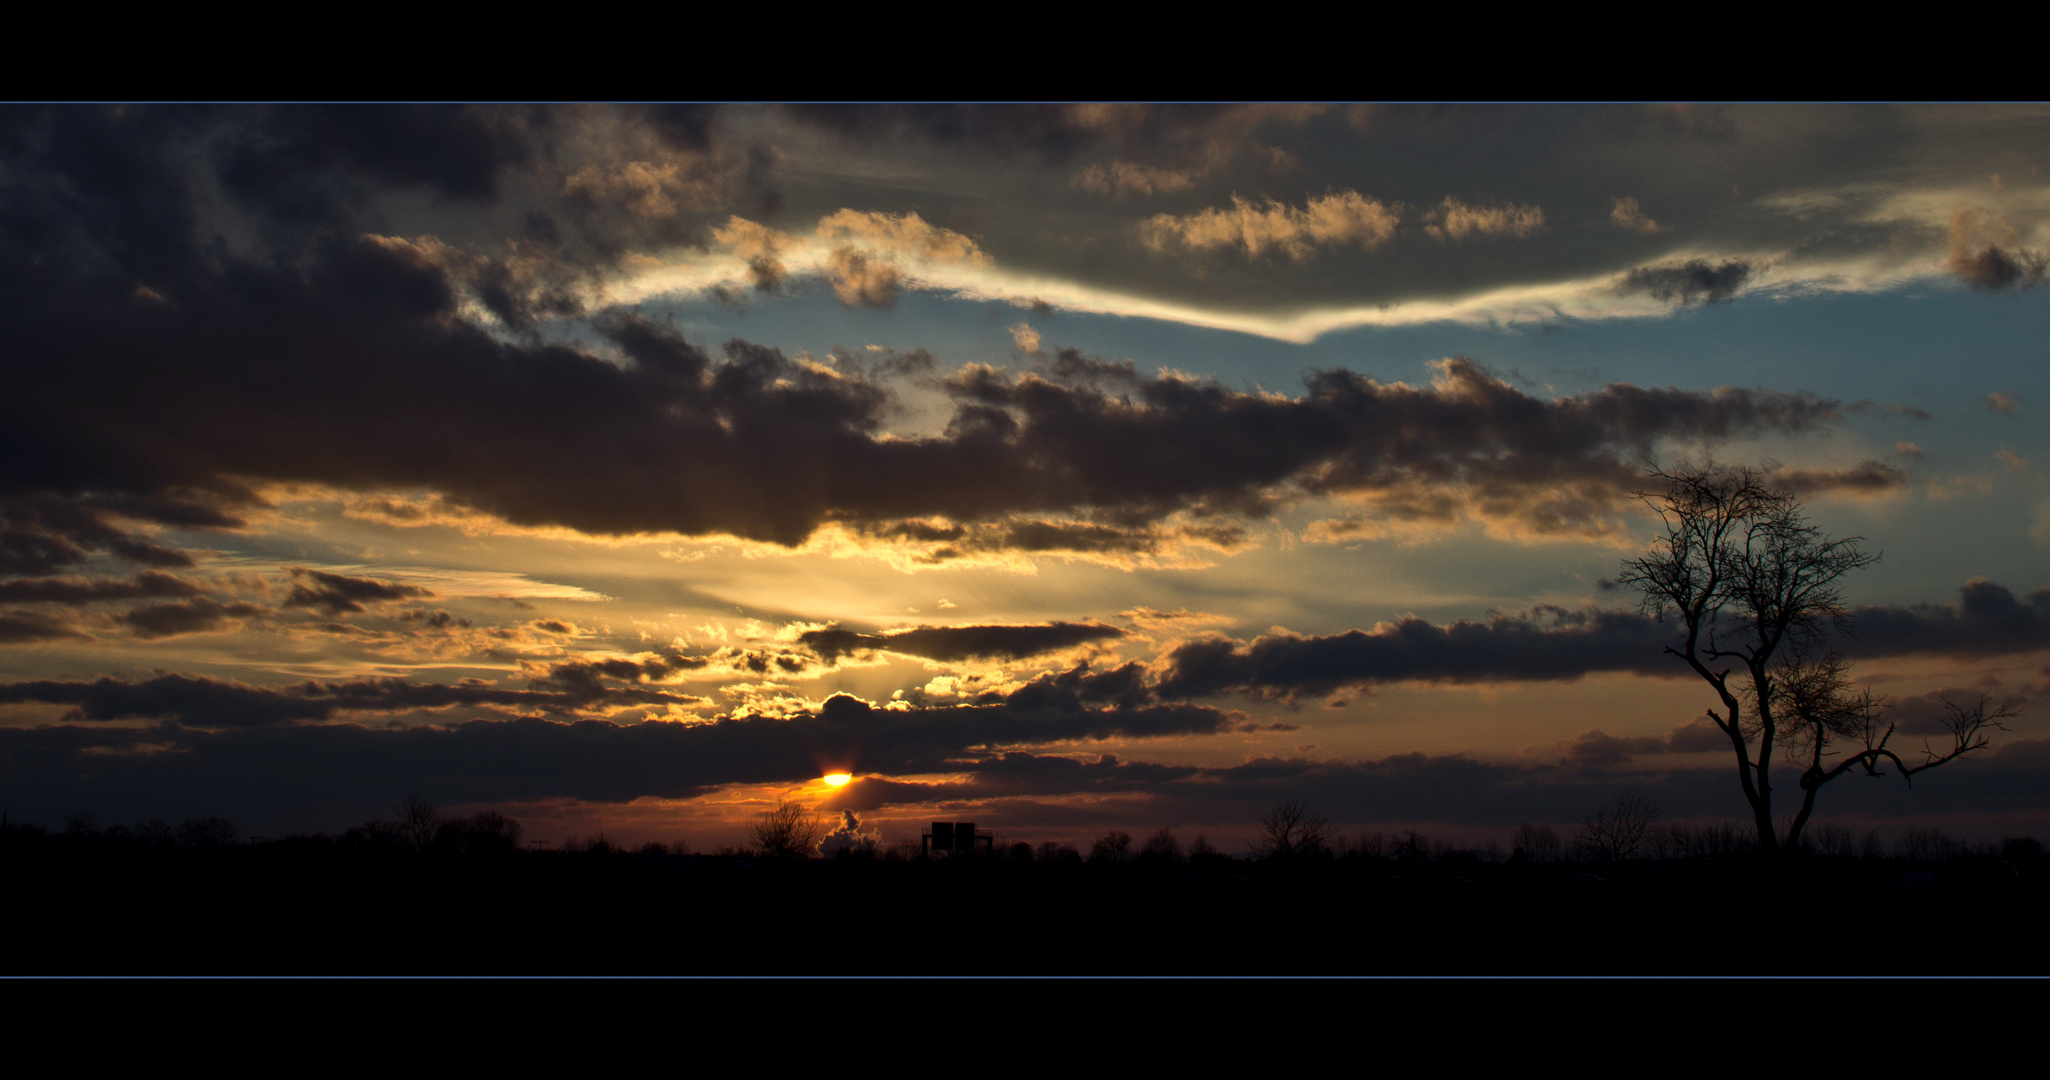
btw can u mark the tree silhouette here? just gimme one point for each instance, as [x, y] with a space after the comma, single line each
[1292, 830]
[208, 832]
[489, 832]
[1053, 852]
[1410, 846]
[418, 821]
[1755, 587]
[1538, 843]
[787, 832]
[1162, 847]
[1112, 847]
[1615, 830]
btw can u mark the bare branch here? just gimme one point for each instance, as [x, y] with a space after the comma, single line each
[1293, 830]
[1969, 728]
[1615, 830]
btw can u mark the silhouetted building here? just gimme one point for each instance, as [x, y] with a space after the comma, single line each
[956, 838]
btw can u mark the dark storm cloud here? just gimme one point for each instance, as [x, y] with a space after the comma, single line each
[1987, 620]
[152, 373]
[1696, 281]
[959, 642]
[1993, 268]
[528, 433]
[1055, 133]
[1053, 709]
[76, 590]
[1984, 256]
[198, 615]
[1864, 478]
[589, 675]
[336, 594]
[216, 703]
[34, 627]
[437, 619]
[1552, 645]
[1075, 689]
[1555, 644]
[1168, 443]
[40, 533]
[1079, 686]
[946, 542]
[1598, 748]
[767, 273]
[282, 764]
[1696, 736]
[684, 125]
[1069, 536]
[927, 739]
[300, 161]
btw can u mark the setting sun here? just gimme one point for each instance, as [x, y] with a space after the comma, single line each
[838, 779]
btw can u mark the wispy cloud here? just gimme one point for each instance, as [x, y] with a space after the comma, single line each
[1340, 219]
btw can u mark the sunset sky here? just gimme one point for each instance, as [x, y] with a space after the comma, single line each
[1119, 466]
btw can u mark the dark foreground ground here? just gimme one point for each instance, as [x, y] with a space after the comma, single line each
[285, 909]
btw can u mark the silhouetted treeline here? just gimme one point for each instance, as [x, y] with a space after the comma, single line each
[1625, 830]
[420, 892]
[492, 834]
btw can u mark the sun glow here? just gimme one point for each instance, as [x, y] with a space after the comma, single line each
[838, 779]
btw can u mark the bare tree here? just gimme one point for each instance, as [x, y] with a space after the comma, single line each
[417, 822]
[1054, 852]
[1411, 846]
[1755, 587]
[1539, 843]
[1112, 847]
[787, 832]
[1292, 830]
[1162, 847]
[1618, 827]
[489, 832]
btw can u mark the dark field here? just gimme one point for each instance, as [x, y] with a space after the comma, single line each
[95, 905]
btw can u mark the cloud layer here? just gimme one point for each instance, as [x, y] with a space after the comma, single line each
[1559, 644]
